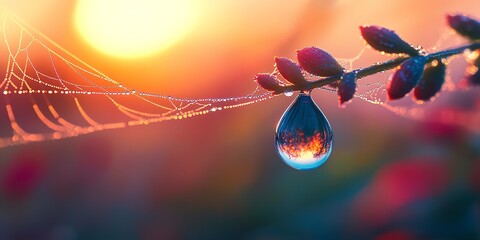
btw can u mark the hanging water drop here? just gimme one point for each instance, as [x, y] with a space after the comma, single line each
[303, 137]
[288, 93]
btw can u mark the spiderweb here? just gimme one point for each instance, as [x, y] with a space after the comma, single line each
[48, 93]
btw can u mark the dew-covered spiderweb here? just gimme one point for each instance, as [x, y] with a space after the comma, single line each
[47, 93]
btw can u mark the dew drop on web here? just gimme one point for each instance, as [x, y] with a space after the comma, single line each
[288, 93]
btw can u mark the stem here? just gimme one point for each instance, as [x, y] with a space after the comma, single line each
[376, 68]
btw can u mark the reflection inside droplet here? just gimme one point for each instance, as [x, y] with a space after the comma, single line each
[303, 138]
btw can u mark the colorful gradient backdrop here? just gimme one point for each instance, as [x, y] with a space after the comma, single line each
[218, 176]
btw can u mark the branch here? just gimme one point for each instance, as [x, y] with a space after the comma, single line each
[413, 71]
[371, 70]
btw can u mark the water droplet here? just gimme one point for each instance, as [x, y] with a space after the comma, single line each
[288, 93]
[304, 138]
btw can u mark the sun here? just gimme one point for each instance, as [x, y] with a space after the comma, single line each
[133, 28]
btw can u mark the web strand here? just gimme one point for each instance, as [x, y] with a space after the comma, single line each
[48, 93]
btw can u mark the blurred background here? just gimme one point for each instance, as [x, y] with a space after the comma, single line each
[218, 176]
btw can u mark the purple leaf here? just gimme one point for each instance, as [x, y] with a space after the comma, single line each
[406, 77]
[431, 82]
[386, 40]
[318, 62]
[290, 71]
[465, 26]
[347, 87]
[267, 81]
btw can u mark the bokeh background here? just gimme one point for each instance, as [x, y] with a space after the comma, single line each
[217, 176]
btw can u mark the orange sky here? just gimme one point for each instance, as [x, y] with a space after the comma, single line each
[226, 154]
[233, 40]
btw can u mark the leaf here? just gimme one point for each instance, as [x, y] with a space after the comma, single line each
[347, 87]
[386, 40]
[290, 71]
[465, 26]
[431, 82]
[267, 81]
[318, 62]
[406, 77]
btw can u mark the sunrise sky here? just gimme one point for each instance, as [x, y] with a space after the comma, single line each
[209, 41]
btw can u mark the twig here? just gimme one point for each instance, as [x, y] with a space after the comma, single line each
[376, 68]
